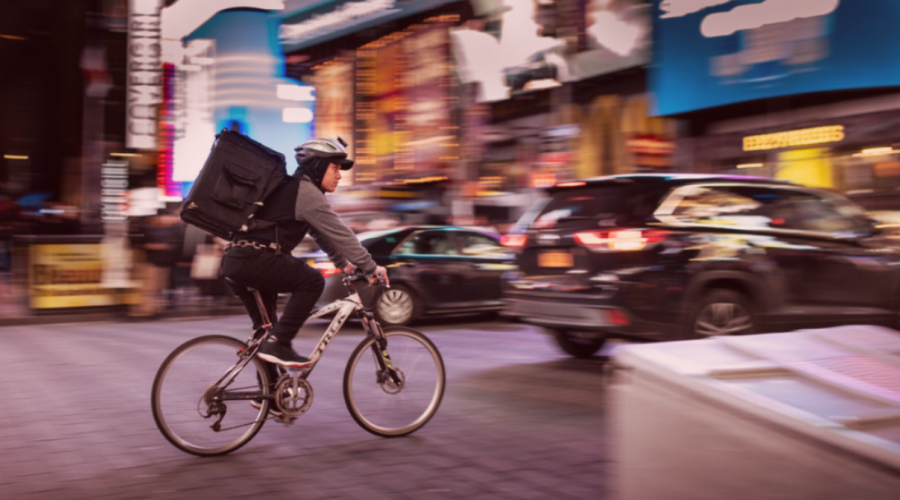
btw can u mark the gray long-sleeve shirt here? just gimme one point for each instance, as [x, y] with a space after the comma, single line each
[329, 231]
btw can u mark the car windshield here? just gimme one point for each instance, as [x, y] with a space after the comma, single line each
[372, 235]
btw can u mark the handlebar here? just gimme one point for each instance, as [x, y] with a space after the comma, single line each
[357, 274]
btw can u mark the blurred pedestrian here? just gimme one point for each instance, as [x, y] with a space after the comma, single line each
[157, 243]
[205, 271]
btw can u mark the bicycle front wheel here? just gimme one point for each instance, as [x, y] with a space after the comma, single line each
[195, 405]
[387, 409]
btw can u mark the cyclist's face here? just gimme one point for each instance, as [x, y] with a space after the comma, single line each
[332, 176]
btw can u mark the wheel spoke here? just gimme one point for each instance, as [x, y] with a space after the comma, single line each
[707, 328]
[185, 416]
[388, 410]
[722, 318]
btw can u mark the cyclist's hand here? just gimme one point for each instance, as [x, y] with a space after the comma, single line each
[349, 269]
[381, 275]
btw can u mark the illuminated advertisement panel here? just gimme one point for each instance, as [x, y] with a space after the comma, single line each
[405, 85]
[228, 73]
[334, 103]
[544, 44]
[432, 139]
[714, 52]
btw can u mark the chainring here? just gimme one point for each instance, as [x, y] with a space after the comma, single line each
[293, 400]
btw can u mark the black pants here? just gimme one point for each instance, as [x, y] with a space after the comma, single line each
[271, 274]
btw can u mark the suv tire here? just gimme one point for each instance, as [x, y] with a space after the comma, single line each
[577, 346]
[721, 311]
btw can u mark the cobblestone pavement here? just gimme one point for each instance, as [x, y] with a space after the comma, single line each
[519, 420]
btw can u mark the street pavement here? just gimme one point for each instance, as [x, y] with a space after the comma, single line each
[519, 420]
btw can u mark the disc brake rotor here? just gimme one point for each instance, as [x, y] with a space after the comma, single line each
[389, 386]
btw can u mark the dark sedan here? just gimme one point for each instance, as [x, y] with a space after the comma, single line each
[433, 270]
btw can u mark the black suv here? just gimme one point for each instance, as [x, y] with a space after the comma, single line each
[664, 257]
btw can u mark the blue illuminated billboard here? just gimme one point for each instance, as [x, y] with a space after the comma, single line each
[710, 53]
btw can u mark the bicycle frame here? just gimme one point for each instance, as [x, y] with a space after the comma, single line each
[342, 308]
[290, 392]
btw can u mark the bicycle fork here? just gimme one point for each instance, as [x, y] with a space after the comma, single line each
[386, 368]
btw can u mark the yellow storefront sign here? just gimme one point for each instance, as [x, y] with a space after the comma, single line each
[793, 138]
[67, 275]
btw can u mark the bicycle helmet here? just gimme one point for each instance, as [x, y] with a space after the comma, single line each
[327, 149]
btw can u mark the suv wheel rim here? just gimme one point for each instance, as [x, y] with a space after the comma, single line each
[396, 306]
[723, 318]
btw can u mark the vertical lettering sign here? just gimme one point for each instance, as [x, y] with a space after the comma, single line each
[144, 84]
[114, 191]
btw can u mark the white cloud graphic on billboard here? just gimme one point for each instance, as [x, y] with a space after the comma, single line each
[681, 8]
[754, 16]
[619, 36]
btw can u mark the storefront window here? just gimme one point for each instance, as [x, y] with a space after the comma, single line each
[869, 173]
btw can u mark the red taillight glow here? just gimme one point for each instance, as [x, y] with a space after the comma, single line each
[326, 268]
[617, 317]
[513, 240]
[622, 240]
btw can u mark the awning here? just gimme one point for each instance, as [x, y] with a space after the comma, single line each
[333, 19]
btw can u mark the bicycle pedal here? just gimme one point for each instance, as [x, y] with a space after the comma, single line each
[286, 420]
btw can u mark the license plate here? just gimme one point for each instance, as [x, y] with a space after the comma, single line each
[555, 259]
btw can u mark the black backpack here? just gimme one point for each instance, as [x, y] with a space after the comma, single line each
[237, 176]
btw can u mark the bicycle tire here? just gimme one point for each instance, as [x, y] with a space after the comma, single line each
[403, 344]
[159, 406]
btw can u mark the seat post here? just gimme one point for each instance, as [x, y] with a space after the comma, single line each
[262, 308]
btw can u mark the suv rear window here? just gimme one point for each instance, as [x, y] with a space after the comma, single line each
[758, 207]
[615, 202]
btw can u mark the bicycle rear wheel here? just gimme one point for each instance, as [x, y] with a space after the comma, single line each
[383, 408]
[187, 403]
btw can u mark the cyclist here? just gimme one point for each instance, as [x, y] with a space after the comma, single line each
[261, 258]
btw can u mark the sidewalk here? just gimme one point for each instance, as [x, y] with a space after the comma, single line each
[14, 308]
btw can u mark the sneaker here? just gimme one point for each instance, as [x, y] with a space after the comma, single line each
[275, 352]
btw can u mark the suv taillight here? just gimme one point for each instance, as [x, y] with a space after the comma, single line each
[619, 240]
[513, 240]
[326, 268]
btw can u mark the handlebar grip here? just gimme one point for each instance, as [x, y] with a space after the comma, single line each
[379, 275]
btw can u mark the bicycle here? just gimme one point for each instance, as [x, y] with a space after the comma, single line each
[382, 397]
